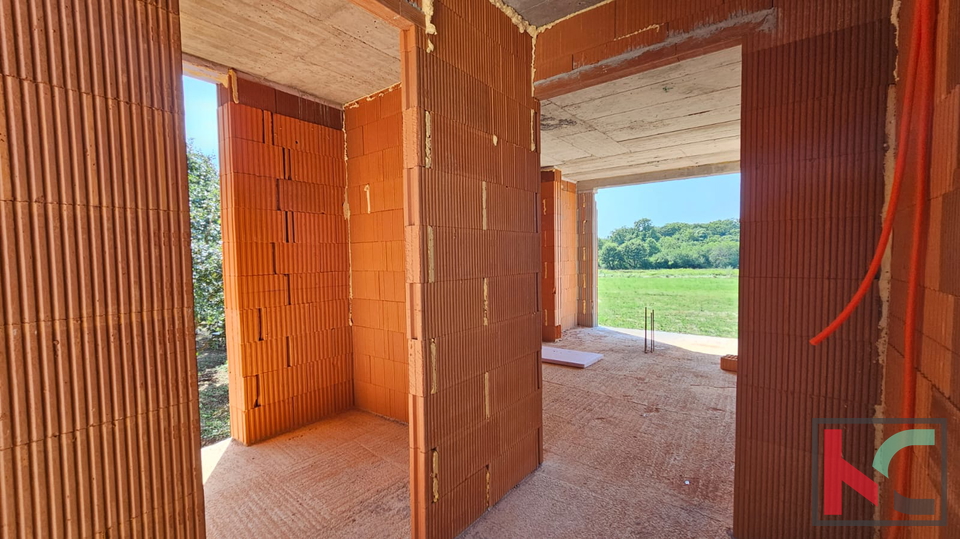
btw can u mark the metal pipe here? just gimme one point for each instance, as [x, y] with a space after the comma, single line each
[653, 330]
[644, 330]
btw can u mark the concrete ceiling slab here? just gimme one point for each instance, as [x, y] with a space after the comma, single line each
[677, 117]
[330, 49]
[542, 12]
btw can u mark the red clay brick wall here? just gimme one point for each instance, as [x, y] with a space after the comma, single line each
[587, 267]
[815, 82]
[568, 255]
[559, 252]
[375, 192]
[938, 330]
[285, 258]
[812, 193]
[473, 242]
[840, 377]
[550, 232]
[99, 432]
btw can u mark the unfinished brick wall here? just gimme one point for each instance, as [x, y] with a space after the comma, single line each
[587, 263]
[473, 243]
[559, 253]
[99, 431]
[569, 240]
[938, 329]
[550, 233]
[285, 259]
[375, 192]
[805, 245]
[815, 82]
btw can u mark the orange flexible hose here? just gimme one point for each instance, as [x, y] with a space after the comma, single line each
[908, 404]
[903, 137]
[919, 216]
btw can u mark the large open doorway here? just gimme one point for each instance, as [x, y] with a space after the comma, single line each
[310, 334]
[650, 433]
[669, 256]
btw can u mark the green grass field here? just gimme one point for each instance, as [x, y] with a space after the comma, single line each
[694, 301]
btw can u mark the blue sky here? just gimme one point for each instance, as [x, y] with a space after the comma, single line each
[200, 104]
[697, 200]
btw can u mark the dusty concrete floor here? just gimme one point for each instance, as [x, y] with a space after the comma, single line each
[343, 477]
[638, 445]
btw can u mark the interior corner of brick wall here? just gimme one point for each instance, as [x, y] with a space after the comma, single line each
[374, 133]
[286, 265]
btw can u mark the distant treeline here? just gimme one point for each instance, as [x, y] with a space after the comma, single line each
[673, 245]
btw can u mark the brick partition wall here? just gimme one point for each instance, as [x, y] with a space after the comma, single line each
[285, 259]
[560, 254]
[473, 241]
[99, 423]
[550, 224]
[587, 262]
[569, 249]
[816, 77]
[375, 194]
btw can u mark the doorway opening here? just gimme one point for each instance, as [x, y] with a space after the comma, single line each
[206, 243]
[613, 148]
[669, 256]
[312, 291]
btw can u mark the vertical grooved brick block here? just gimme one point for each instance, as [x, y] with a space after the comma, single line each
[473, 225]
[99, 430]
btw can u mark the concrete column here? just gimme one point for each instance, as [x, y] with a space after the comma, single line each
[587, 260]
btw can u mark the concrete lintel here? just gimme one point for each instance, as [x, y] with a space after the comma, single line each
[200, 68]
[680, 46]
[699, 171]
[398, 13]
[205, 70]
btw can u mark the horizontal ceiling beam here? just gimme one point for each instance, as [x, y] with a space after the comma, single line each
[398, 13]
[714, 169]
[678, 47]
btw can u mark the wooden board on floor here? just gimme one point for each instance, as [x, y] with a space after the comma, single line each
[569, 358]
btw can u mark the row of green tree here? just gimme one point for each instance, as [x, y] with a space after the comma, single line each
[674, 245]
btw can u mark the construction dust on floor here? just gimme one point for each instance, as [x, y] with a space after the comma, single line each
[638, 445]
[346, 476]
